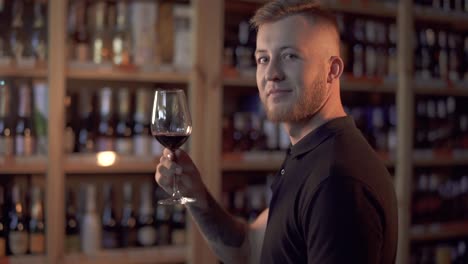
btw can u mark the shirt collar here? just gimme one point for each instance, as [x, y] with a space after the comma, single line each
[320, 134]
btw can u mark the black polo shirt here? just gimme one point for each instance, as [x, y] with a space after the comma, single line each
[333, 202]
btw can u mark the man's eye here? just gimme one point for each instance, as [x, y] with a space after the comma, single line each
[289, 56]
[262, 60]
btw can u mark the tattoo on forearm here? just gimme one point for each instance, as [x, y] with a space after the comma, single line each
[217, 225]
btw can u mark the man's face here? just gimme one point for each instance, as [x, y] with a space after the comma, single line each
[291, 68]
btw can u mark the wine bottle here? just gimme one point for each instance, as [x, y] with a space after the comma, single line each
[18, 237]
[3, 228]
[17, 37]
[121, 44]
[85, 136]
[128, 233]
[91, 226]
[106, 134]
[101, 50]
[80, 33]
[40, 116]
[39, 36]
[36, 223]
[146, 233]
[123, 129]
[141, 136]
[110, 226]
[72, 229]
[6, 122]
[24, 137]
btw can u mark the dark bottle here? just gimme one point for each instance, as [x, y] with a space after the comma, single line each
[110, 227]
[141, 132]
[80, 33]
[17, 35]
[3, 228]
[163, 224]
[85, 135]
[121, 40]
[123, 128]
[24, 137]
[256, 205]
[6, 122]
[146, 233]
[178, 232]
[101, 41]
[106, 134]
[37, 223]
[72, 229]
[39, 35]
[454, 57]
[443, 55]
[128, 224]
[18, 237]
[69, 135]
[241, 132]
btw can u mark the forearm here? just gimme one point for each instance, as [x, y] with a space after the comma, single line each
[225, 234]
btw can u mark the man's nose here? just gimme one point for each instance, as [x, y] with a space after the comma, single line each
[274, 71]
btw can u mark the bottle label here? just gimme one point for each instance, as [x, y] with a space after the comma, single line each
[147, 236]
[28, 145]
[6, 146]
[178, 237]
[18, 242]
[142, 145]
[109, 239]
[124, 146]
[2, 247]
[72, 244]
[82, 52]
[164, 234]
[19, 146]
[105, 144]
[37, 244]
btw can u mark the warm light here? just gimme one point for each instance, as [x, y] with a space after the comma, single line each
[105, 158]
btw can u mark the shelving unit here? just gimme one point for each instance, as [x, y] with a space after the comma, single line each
[206, 86]
[136, 76]
[90, 164]
[441, 231]
[23, 72]
[28, 165]
[173, 254]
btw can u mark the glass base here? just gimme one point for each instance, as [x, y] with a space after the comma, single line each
[176, 200]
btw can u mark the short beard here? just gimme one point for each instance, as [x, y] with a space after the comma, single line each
[307, 105]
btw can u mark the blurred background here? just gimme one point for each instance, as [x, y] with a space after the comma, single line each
[77, 158]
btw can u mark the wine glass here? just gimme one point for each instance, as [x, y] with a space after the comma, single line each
[171, 125]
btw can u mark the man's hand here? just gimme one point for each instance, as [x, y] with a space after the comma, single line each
[180, 164]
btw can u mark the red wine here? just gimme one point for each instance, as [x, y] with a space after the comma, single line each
[171, 141]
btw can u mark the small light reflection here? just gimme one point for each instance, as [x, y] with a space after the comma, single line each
[105, 158]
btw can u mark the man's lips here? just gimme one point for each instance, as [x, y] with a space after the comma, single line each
[276, 92]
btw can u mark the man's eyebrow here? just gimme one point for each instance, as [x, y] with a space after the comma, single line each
[280, 49]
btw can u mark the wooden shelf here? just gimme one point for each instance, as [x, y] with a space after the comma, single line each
[348, 84]
[115, 75]
[23, 72]
[457, 20]
[89, 164]
[261, 161]
[26, 165]
[440, 162]
[439, 231]
[371, 8]
[442, 91]
[252, 161]
[167, 254]
[24, 260]
[374, 8]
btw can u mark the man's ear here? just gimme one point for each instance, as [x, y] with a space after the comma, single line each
[336, 68]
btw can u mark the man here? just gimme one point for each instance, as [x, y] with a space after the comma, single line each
[333, 199]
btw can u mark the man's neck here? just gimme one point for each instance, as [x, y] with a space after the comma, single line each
[298, 130]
